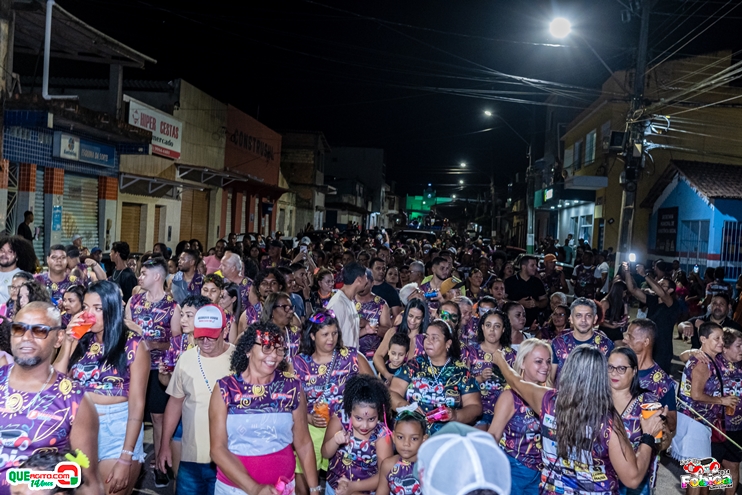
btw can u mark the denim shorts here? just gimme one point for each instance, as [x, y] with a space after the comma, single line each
[178, 435]
[524, 480]
[112, 419]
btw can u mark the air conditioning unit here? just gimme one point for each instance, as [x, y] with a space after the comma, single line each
[617, 141]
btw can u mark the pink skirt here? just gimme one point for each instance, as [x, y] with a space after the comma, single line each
[265, 469]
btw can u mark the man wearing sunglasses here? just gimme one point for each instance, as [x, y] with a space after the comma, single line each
[194, 378]
[57, 280]
[37, 400]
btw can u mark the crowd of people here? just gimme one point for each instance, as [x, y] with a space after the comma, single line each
[350, 365]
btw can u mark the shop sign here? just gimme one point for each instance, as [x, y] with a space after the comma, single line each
[167, 132]
[548, 194]
[667, 230]
[69, 147]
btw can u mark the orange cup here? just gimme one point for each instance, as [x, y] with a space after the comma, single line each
[79, 330]
[650, 409]
[322, 409]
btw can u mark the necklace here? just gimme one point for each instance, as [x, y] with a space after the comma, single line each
[432, 369]
[201, 367]
[36, 397]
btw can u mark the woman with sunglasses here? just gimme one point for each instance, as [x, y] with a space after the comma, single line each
[493, 335]
[279, 311]
[438, 381]
[110, 364]
[256, 416]
[557, 324]
[324, 366]
[515, 426]
[628, 397]
[414, 324]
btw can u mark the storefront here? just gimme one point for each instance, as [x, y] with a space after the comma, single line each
[697, 216]
[60, 175]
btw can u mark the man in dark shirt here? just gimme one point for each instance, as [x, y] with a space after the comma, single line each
[122, 275]
[720, 306]
[526, 288]
[24, 229]
[662, 308]
[383, 289]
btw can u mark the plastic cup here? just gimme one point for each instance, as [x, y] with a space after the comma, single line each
[650, 409]
[79, 330]
[322, 409]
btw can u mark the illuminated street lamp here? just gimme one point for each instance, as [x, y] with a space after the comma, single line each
[453, 196]
[461, 182]
[488, 113]
[463, 164]
[560, 27]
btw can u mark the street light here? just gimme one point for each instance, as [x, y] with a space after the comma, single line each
[560, 27]
[453, 196]
[463, 164]
[488, 113]
[461, 182]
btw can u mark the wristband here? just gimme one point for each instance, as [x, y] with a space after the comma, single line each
[129, 452]
[648, 440]
[317, 488]
[121, 461]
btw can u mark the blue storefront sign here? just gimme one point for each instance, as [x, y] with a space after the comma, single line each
[56, 218]
[70, 147]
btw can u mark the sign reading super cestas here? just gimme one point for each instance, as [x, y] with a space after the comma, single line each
[167, 132]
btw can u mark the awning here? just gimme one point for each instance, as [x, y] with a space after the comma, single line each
[238, 182]
[206, 175]
[152, 186]
[71, 38]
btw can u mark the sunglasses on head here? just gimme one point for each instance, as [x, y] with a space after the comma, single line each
[18, 329]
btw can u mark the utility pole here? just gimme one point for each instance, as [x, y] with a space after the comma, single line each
[634, 155]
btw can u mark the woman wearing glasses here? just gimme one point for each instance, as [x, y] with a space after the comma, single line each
[279, 311]
[324, 366]
[438, 380]
[256, 416]
[556, 325]
[628, 397]
[266, 283]
[493, 335]
[110, 364]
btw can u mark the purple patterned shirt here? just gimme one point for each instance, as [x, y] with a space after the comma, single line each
[631, 418]
[568, 476]
[565, 343]
[712, 412]
[521, 438]
[57, 289]
[29, 425]
[355, 460]
[154, 318]
[402, 480]
[478, 360]
[103, 378]
[370, 311]
[326, 380]
[731, 373]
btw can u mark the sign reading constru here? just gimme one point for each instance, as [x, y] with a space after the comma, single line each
[167, 132]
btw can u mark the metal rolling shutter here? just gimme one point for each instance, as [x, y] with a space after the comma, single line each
[186, 211]
[243, 226]
[130, 221]
[80, 209]
[228, 228]
[200, 217]
[38, 213]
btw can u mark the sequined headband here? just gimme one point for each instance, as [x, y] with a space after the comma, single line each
[268, 338]
[320, 317]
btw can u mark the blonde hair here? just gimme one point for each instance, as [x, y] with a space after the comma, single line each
[525, 349]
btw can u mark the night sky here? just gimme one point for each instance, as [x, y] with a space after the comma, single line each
[412, 77]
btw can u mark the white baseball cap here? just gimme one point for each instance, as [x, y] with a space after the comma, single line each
[208, 322]
[459, 459]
